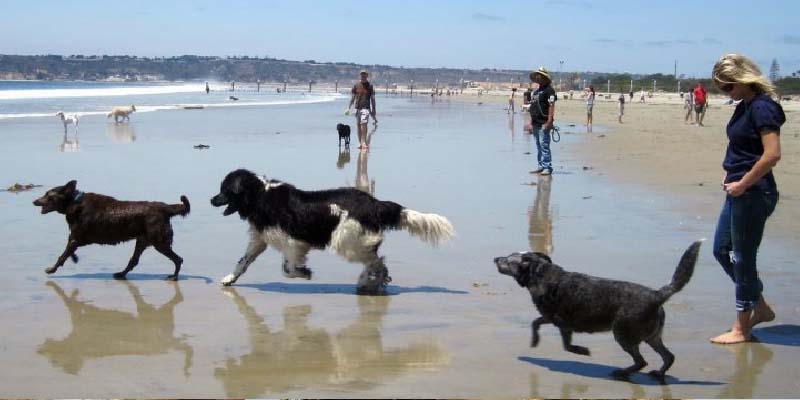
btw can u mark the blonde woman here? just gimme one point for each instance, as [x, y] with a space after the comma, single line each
[751, 192]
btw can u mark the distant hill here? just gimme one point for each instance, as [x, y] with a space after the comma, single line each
[249, 69]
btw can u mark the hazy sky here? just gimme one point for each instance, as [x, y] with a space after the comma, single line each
[610, 36]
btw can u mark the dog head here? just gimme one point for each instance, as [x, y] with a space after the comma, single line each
[239, 191]
[525, 267]
[58, 198]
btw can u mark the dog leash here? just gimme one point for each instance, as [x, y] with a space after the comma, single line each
[555, 134]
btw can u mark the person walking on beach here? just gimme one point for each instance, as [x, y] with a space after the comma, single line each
[700, 95]
[511, 101]
[751, 192]
[207, 89]
[542, 110]
[363, 96]
[688, 104]
[589, 106]
[621, 100]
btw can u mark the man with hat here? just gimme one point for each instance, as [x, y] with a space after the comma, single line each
[363, 95]
[542, 109]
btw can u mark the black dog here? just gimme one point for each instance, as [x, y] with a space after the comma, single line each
[97, 219]
[576, 302]
[348, 221]
[344, 133]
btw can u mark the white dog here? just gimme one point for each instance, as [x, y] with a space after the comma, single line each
[123, 112]
[68, 120]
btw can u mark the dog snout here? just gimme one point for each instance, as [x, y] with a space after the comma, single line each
[219, 200]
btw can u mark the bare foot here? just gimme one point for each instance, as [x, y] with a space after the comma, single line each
[761, 313]
[731, 337]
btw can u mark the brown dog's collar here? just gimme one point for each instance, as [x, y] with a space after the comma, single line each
[78, 196]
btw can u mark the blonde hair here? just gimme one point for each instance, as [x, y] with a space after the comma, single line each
[736, 68]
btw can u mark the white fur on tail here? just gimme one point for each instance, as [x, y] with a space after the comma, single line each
[431, 228]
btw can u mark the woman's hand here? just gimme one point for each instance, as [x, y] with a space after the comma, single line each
[735, 189]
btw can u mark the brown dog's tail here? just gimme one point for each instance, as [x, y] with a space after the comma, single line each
[179, 209]
[683, 273]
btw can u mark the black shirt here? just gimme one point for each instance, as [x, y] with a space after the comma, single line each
[744, 130]
[541, 100]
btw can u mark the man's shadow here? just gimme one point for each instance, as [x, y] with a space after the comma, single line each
[300, 356]
[784, 335]
[99, 332]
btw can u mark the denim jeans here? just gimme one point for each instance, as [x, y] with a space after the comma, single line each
[543, 155]
[739, 231]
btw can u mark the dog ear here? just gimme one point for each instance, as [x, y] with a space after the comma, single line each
[71, 185]
[545, 256]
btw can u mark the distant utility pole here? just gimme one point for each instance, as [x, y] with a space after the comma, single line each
[676, 68]
[560, 74]
[654, 85]
[631, 85]
[608, 87]
[337, 86]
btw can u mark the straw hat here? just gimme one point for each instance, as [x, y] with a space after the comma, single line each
[541, 72]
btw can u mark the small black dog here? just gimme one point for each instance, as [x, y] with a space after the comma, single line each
[344, 133]
[576, 302]
[97, 219]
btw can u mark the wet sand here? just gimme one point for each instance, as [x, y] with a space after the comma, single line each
[451, 325]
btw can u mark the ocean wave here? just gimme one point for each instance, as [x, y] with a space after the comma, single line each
[28, 94]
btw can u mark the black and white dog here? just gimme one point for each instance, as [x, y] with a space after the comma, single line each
[348, 221]
[344, 133]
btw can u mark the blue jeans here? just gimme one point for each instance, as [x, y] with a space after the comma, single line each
[543, 155]
[739, 231]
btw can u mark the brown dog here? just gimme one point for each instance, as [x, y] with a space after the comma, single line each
[97, 219]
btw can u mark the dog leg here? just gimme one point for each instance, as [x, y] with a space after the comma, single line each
[294, 261]
[72, 245]
[633, 350]
[566, 340]
[254, 249]
[535, 329]
[141, 245]
[665, 354]
[166, 250]
[373, 278]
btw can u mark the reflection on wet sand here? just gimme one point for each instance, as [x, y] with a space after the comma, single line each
[540, 226]
[344, 157]
[363, 183]
[122, 133]
[98, 332]
[511, 125]
[745, 376]
[300, 357]
[69, 145]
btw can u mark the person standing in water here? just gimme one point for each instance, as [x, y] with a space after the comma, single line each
[363, 96]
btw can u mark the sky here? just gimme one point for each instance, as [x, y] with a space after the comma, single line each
[601, 36]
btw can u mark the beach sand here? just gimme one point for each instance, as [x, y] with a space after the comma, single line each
[451, 326]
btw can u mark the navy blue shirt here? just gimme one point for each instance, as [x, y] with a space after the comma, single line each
[744, 130]
[541, 100]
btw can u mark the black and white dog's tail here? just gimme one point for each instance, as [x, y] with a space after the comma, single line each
[683, 272]
[431, 228]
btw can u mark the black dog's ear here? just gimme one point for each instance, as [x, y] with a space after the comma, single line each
[70, 186]
[545, 256]
[236, 185]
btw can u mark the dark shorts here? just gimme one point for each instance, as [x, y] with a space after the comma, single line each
[698, 108]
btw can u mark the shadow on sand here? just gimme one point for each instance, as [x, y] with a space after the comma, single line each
[600, 371]
[784, 335]
[326, 288]
[131, 277]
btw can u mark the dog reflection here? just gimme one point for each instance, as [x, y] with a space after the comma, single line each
[69, 145]
[122, 133]
[363, 183]
[300, 356]
[344, 157]
[540, 226]
[98, 332]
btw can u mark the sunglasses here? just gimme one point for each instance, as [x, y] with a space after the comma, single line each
[726, 87]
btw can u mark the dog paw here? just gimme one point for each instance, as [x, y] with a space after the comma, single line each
[50, 270]
[658, 375]
[120, 276]
[173, 278]
[534, 341]
[580, 350]
[228, 280]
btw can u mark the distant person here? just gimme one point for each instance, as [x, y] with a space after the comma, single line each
[621, 100]
[233, 86]
[542, 110]
[631, 95]
[589, 105]
[570, 94]
[753, 151]
[207, 88]
[700, 96]
[511, 101]
[363, 96]
[688, 104]
[641, 98]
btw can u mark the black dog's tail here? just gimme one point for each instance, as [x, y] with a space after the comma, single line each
[683, 273]
[179, 209]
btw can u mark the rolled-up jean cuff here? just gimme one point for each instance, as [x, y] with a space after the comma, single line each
[744, 305]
